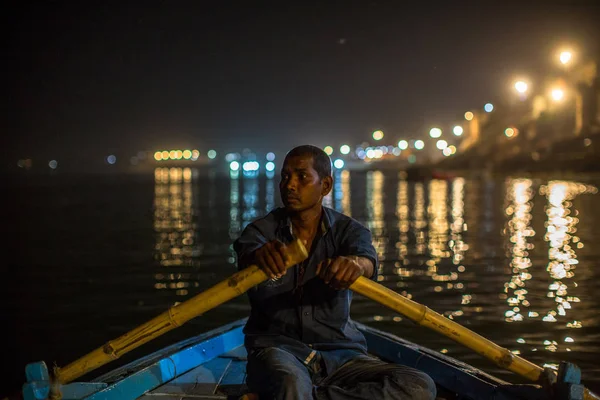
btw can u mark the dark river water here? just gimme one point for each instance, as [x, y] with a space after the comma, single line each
[514, 259]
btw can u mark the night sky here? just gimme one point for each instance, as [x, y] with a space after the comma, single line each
[87, 79]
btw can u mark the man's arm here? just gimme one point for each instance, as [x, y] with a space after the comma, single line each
[357, 258]
[252, 247]
[249, 241]
[366, 265]
[343, 271]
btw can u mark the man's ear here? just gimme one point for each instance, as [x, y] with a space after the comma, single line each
[327, 185]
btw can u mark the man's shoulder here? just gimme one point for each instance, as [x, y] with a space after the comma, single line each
[270, 221]
[337, 220]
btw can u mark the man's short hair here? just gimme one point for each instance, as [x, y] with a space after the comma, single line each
[321, 161]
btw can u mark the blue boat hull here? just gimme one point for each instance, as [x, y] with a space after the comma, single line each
[212, 366]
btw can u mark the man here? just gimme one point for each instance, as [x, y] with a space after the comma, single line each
[301, 342]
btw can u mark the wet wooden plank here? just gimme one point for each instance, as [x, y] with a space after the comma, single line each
[202, 380]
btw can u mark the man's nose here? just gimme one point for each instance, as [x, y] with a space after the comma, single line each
[291, 184]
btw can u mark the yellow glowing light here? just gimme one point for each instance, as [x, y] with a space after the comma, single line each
[165, 155]
[565, 57]
[187, 154]
[173, 154]
[509, 132]
[521, 86]
[158, 156]
[469, 115]
[557, 94]
[378, 135]
[195, 154]
[328, 150]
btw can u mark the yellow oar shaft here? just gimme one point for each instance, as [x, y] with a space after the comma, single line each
[430, 319]
[224, 291]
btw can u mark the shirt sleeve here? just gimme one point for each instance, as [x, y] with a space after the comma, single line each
[249, 241]
[358, 241]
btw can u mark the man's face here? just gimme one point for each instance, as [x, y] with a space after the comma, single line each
[300, 186]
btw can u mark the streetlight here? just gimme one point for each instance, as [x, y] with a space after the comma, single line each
[345, 149]
[457, 130]
[435, 132]
[378, 135]
[557, 94]
[328, 150]
[565, 57]
[419, 144]
[489, 107]
[469, 115]
[339, 163]
[403, 145]
[521, 86]
[510, 132]
[441, 144]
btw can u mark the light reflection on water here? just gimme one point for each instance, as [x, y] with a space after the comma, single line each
[502, 258]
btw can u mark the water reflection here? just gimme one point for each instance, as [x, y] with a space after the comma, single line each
[375, 214]
[346, 202]
[458, 227]
[527, 275]
[402, 213]
[419, 222]
[235, 223]
[555, 304]
[520, 195]
[250, 206]
[337, 190]
[561, 238]
[437, 212]
[270, 194]
[174, 226]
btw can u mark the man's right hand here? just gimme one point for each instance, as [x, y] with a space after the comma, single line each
[271, 258]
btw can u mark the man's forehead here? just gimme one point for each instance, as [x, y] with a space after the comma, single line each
[299, 162]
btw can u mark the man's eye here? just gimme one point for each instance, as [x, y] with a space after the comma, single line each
[303, 176]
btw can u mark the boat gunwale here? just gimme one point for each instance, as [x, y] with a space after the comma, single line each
[464, 375]
[126, 370]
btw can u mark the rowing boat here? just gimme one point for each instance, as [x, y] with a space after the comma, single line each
[212, 365]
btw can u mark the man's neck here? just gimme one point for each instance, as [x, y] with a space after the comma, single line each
[306, 222]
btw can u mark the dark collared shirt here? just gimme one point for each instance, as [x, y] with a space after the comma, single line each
[300, 312]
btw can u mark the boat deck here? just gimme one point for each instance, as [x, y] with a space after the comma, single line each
[222, 377]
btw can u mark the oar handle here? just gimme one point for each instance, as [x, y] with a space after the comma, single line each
[424, 316]
[176, 316]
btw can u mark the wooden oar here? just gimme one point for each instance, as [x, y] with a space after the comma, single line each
[177, 315]
[426, 317]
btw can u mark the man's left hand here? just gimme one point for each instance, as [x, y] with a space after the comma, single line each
[341, 272]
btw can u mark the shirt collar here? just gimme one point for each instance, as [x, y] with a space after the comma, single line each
[285, 223]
